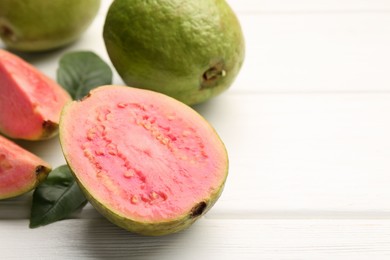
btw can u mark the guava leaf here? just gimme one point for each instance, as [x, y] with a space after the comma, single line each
[56, 198]
[81, 71]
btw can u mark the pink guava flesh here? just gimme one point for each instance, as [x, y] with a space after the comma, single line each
[30, 102]
[142, 154]
[20, 170]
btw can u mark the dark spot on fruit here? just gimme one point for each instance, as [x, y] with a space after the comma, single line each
[41, 172]
[47, 124]
[211, 76]
[85, 97]
[198, 209]
[39, 169]
[49, 127]
[6, 32]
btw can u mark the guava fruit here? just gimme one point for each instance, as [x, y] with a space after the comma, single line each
[189, 50]
[30, 102]
[20, 170]
[146, 161]
[40, 25]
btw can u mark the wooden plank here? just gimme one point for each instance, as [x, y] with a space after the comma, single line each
[267, 6]
[316, 52]
[297, 152]
[207, 239]
[277, 6]
[290, 53]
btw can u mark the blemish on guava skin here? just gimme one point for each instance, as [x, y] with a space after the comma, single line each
[86, 96]
[41, 172]
[211, 76]
[213, 73]
[39, 169]
[198, 209]
[7, 33]
[49, 127]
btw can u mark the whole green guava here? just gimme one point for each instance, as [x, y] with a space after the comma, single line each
[189, 50]
[40, 25]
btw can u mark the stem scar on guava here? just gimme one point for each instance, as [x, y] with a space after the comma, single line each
[48, 127]
[7, 33]
[41, 172]
[212, 74]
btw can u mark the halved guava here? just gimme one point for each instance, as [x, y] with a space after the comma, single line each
[20, 170]
[147, 162]
[30, 102]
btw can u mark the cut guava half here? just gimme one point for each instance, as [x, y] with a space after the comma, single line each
[147, 162]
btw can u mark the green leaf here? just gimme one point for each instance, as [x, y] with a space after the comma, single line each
[56, 198]
[81, 71]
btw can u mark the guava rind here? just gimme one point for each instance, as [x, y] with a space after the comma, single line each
[190, 173]
[20, 170]
[30, 102]
[39, 25]
[152, 228]
[189, 50]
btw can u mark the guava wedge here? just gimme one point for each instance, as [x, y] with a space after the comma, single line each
[30, 102]
[20, 170]
[147, 162]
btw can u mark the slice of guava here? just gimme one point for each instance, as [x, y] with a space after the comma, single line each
[30, 102]
[147, 162]
[20, 170]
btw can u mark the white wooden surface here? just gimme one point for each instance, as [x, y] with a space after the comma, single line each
[307, 127]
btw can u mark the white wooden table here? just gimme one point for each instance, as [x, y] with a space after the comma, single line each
[307, 127]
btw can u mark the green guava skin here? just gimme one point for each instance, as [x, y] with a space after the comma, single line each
[41, 25]
[189, 50]
[150, 228]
